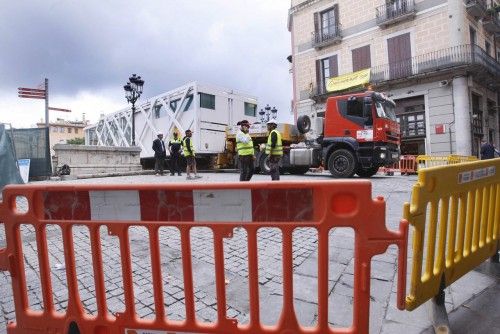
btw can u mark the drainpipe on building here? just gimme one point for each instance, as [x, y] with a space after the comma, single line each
[457, 16]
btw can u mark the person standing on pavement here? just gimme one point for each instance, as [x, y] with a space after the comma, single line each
[174, 146]
[160, 154]
[189, 154]
[244, 147]
[487, 150]
[274, 149]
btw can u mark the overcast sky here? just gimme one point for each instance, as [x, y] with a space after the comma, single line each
[88, 49]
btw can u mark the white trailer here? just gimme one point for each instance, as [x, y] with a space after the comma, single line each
[204, 109]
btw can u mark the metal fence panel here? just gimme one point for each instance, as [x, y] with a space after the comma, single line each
[33, 144]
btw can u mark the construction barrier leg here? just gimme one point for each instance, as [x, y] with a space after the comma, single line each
[439, 316]
[495, 258]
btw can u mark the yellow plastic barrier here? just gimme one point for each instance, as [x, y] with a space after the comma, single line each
[426, 161]
[454, 214]
[457, 159]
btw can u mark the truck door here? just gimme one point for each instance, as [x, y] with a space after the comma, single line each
[357, 120]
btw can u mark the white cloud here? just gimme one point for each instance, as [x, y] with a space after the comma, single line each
[88, 50]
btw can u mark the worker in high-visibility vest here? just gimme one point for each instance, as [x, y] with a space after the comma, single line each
[245, 149]
[189, 154]
[174, 146]
[274, 149]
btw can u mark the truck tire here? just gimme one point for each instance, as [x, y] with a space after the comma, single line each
[264, 164]
[298, 170]
[304, 124]
[342, 163]
[367, 172]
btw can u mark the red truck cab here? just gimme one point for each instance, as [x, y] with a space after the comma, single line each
[360, 134]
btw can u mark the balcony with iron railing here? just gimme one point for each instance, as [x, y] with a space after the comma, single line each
[476, 8]
[461, 59]
[467, 58]
[395, 11]
[321, 39]
[491, 22]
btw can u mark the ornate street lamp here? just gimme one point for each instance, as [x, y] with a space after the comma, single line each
[133, 90]
[274, 113]
[268, 110]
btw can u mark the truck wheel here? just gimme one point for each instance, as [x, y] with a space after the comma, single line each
[304, 124]
[300, 170]
[367, 172]
[264, 164]
[342, 163]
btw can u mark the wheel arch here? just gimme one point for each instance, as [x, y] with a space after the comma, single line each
[332, 144]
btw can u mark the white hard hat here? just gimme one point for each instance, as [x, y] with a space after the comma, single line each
[159, 133]
[272, 121]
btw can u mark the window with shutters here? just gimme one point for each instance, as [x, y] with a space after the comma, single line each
[399, 54]
[328, 22]
[361, 58]
[326, 27]
[326, 68]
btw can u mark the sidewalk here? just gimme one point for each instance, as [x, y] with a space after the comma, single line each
[481, 313]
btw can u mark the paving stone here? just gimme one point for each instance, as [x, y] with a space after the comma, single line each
[418, 318]
[340, 310]
[305, 289]
[207, 314]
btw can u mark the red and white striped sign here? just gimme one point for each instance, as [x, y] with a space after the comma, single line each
[31, 93]
[204, 205]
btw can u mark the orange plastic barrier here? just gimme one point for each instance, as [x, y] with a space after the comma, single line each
[221, 208]
[408, 164]
[390, 169]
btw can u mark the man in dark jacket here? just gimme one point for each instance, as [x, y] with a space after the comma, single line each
[487, 150]
[160, 154]
[174, 146]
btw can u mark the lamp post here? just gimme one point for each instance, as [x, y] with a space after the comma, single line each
[268, 112]
[133, 90]
[274, 113]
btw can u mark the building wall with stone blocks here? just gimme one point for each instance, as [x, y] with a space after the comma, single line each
[429, 31]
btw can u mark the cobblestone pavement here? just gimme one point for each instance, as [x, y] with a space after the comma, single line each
[385, 318]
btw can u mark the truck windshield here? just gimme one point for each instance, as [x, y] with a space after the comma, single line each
[385, 110]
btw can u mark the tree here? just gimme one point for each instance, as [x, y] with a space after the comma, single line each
[76, 141]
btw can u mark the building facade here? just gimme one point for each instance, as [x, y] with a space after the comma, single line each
[438, 59]
[61, 131]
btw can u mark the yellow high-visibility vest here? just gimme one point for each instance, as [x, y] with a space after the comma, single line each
[278, 149]
[185, 149]
[244, 148]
